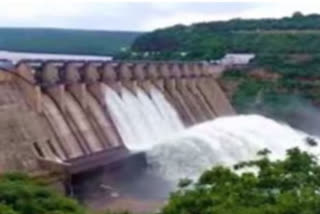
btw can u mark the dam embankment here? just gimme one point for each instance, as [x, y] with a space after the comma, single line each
[68, 117]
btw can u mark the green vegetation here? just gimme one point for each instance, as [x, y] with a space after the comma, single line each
[20, 194]
[211, 40]
[292, 95]
[65, 41]
[260, 186]
[278, 187]
[291, 66]
[297, 77]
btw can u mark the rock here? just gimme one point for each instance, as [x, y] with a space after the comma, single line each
[311, 141]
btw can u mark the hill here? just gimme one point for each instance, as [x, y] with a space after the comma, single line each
[211, 40]
[42, 40]
[282, 82]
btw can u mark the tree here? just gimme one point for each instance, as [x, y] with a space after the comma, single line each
[285, 186]
[297, 14]
[20, 194]
[212, 40]
[4, 209]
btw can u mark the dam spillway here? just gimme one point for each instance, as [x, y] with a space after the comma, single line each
[69, 117]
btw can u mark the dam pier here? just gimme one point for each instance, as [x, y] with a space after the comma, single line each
[60, 118]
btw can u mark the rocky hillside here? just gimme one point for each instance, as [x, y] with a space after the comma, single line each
[285, 88]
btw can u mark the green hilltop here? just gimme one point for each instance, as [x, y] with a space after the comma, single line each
[211, 40]
[46, 40]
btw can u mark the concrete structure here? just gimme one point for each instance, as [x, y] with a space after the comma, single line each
[236, 59]
[54, 119]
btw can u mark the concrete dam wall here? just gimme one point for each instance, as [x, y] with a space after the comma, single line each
[69, 117]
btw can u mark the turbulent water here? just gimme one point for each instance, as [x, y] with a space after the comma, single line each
[142, 120]
[168, 113]
[222, 141]
[151, 124]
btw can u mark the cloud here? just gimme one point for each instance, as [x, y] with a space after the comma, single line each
[142, 16]
[188, 13]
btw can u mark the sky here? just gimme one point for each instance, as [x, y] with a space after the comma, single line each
[132, 15]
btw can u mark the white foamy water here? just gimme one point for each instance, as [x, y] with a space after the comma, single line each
[167, 112]
[223, 141]
[138, 115]
[151, 124]
[120, 116]
[138, 118]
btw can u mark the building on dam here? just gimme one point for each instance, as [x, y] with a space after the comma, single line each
[62, 117]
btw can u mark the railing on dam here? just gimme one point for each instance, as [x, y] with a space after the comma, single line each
[81, 128]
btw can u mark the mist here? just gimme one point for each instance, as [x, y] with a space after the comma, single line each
[294, 110]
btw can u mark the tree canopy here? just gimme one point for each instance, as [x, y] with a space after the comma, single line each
[211, 40]
[20, 194]
[285, 186]
[288, 186]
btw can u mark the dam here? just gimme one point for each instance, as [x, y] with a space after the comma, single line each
[63, 117]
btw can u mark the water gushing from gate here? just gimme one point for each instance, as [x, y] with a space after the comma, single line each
[223, 141]
[142, 120]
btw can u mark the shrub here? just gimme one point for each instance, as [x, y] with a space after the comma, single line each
[20, 194]
[285, 186]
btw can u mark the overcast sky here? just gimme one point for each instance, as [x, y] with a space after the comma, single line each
[139, 16]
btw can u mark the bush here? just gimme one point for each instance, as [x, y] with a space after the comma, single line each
[20, 194]
[278, 187]
[4, 209]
